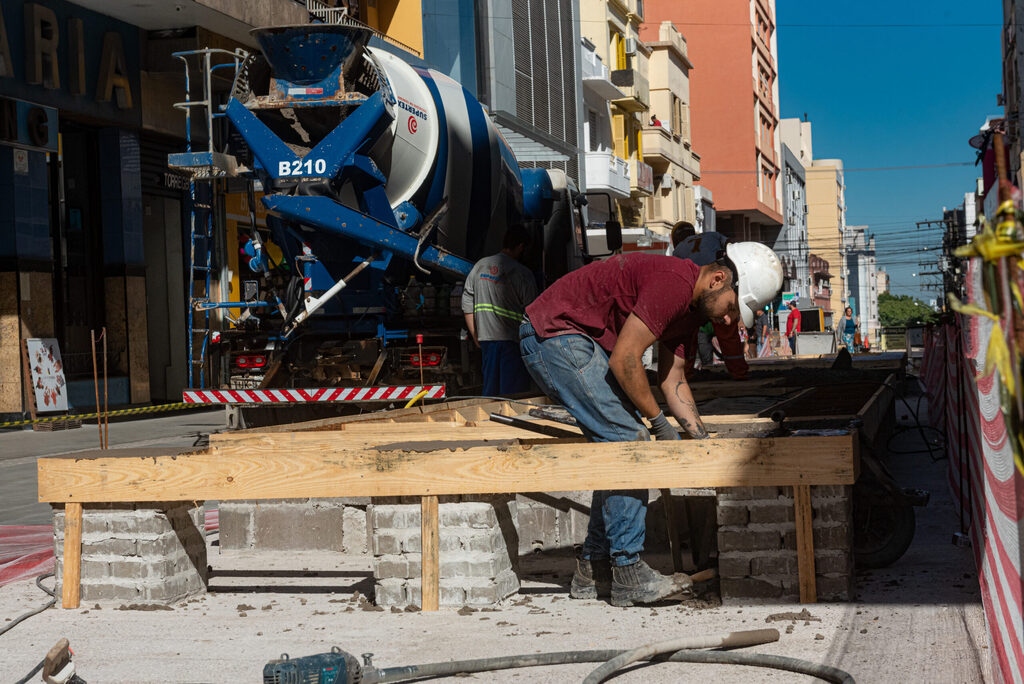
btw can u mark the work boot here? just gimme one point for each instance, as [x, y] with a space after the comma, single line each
[591, 579]
[639, 583]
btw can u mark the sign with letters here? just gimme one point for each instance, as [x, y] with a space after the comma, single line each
[28, 124]
[61, 55]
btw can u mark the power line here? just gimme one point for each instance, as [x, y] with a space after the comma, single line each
[911, 167]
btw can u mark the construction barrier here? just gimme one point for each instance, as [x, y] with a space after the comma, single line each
[159, 408]
[986, 472]
[322, 395]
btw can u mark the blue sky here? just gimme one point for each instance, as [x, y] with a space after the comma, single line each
[893, 96]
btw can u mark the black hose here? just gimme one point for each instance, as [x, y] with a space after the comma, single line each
[411, 672]
[27, 678]
[10, 625]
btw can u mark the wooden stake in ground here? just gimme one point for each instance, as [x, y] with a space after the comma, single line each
[430, 556]
[106, 418]
[96, 385]
[72, 555]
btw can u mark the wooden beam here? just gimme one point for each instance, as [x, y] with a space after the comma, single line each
[430, 554]
[370, 435]
[296, 465]
[72, 555]
[805, 544]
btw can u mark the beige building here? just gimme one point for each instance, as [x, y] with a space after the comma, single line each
[613, 27]
[826, 223]
[667, 146]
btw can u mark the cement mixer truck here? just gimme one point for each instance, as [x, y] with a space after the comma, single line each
[383, 183]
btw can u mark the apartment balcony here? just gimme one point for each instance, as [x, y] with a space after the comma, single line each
[608, 173]
[641, 177]
[659, 142]
[596, 75]
[636, 88]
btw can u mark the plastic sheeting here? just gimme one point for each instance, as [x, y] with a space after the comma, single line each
[26, 551]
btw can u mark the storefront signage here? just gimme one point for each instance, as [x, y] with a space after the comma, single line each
[71, 58]
[29, 124]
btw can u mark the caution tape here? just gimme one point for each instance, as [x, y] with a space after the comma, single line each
[119, 412]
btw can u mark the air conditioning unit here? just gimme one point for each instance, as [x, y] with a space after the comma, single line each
[666, 181]
[631, 46]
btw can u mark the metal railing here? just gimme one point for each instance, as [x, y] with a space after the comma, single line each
[323, 13]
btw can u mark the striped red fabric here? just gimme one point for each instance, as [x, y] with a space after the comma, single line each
[312, 395]
[985, 472]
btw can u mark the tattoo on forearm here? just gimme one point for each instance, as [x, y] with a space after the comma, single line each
[695, 429]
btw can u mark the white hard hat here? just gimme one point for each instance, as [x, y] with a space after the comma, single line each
[758, 274]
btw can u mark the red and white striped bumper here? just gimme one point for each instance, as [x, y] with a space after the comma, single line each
[323, 395]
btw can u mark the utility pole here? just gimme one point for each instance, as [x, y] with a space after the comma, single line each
[943, 276]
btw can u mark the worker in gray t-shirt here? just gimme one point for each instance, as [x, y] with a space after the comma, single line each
[493, 301]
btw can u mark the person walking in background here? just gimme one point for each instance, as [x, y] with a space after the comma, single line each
[495, 297]
[763, 333]
[846, 330]
[793, 323]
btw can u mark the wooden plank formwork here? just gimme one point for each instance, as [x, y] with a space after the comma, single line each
[445, 449]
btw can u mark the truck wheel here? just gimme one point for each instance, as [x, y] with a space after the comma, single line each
[883, 528]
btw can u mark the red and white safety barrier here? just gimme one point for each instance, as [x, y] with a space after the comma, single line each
[321, 395]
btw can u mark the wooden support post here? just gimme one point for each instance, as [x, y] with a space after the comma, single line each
[430, 557]
[671, 530]
[805, 543]
[72, 555]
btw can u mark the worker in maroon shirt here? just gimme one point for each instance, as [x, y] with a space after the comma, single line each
[582, 341]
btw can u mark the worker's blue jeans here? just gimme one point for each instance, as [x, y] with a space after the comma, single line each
[503, 369]
[573, 370]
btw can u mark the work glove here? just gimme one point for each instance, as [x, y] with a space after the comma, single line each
[662, 429]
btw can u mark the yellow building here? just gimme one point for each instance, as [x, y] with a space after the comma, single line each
[666, 142]
[826, 222]
[613, 26]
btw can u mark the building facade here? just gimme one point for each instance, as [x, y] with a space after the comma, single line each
[667, 143]
[613, 27]
[1012, 97]
[862, 284]
[94, 236]
[735, 110]
[604, 170]
[792, 245]
[821, 286]
[826, 224]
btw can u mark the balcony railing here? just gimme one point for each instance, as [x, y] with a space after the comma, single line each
[641, 177]
[596, 75]
[635, 86]
[607, 173]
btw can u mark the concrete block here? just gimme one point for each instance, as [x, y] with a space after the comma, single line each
[504, 585]
[729, 513]
[733, 566]
[288, 527]
[538, 529]
[109, 592]
[235, 525]
[748, 588]
[772, 512]
[833, 562]
[390, 592]
[396, 516]
[835, 511]
[355, 530]
[468, 514]
[385, 542]
[773, 565]
[835, 587]
[129, 547]
[747, 540]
